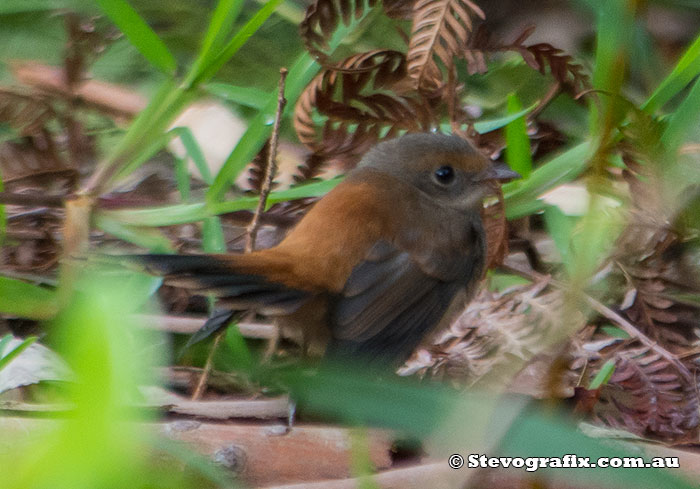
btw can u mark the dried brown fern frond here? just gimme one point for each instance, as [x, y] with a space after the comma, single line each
[34, 158]
[323, 17]
[399, 9]
[440, 30]
[562, 66]
[256, 168]
[493, 338]
[564, 69]
[362, 103]
[26, 112]
[647, 396]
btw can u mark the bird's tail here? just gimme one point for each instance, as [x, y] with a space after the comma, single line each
[230, 279]
[227, 277]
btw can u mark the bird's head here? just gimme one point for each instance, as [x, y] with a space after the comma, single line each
[446, 168]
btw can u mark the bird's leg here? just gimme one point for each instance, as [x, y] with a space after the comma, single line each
[291, 413]
[272, 344]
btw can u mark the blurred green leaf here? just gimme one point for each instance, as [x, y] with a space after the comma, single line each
[151, 239]
[139, 33]
[518, 153]
[21, 299]
[560, 227]
[3, 215]
[687, 68]
[684, 120]
[499, 282]
[6, 358]
[535, 434]
[521, 195]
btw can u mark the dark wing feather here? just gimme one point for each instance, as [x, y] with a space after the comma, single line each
[390, 303]
[206, 274]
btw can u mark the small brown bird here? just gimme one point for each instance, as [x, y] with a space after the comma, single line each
[376, 265]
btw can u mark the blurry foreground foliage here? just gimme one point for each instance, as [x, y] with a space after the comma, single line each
[607, 141]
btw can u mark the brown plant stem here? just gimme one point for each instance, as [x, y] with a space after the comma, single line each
[252, 230]
[270, 168]
[202, 382]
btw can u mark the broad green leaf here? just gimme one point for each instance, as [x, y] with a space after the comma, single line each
[139, 33]
[18, 298]
[518, 153]
[687, 68]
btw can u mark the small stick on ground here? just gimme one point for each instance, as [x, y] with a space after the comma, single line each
[252, 230]
[202, 382]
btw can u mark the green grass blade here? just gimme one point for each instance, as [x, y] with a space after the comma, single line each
[139, 33]
[26, 300]
[182, 179]
[482, 127]
[687, 68]
[603, 375]
[213, 235]
[260, 127]
[222, 19]
[521, 195]
[684, 120]
[194, 152]
[151, 239]
[15, 352]
[518, 153]
[246, 96]
[185, 213]
[210, 68]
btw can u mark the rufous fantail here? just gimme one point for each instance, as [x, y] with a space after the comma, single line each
[376, 265]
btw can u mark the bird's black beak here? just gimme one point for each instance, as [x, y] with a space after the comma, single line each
[499, 171]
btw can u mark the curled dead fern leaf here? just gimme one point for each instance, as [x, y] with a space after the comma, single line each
[440, 31]
[561, 65]
[362, 102]
[322, 19]
[646, 396]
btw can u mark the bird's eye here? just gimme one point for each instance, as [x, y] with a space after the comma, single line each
[445, 174]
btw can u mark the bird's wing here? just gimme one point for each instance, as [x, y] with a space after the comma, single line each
[393, 299]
